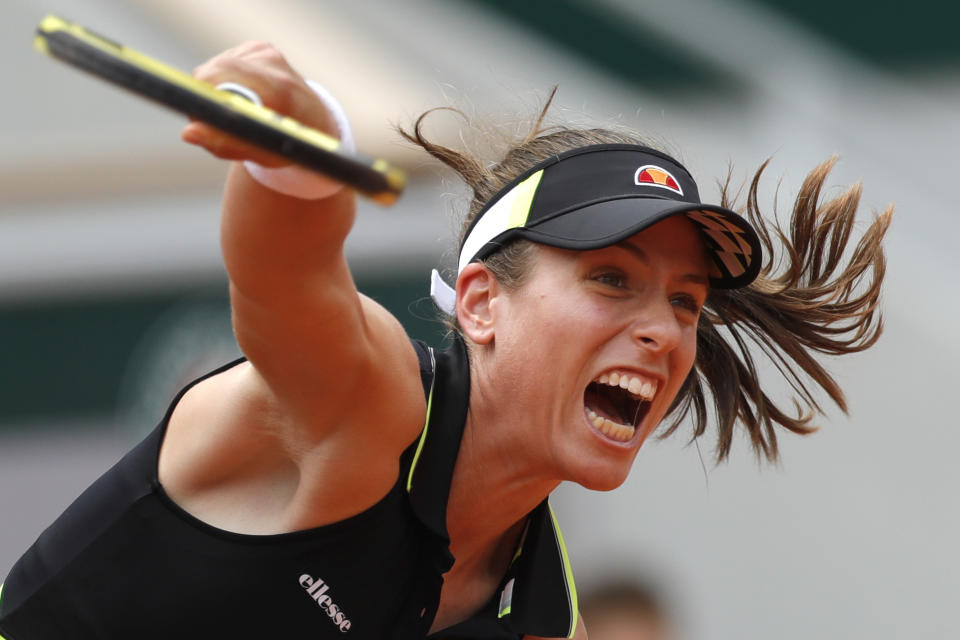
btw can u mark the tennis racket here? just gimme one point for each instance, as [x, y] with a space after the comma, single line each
[225, 110]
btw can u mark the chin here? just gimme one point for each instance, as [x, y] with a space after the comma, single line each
[601, 477]
[599, 463]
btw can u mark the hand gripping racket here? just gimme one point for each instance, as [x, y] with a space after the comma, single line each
[224, 110]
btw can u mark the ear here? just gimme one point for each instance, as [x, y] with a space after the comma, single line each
[477, 289]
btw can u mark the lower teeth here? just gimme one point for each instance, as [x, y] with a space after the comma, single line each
[619, 432]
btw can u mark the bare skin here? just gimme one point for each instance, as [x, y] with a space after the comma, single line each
[294, 305]
[268, 447]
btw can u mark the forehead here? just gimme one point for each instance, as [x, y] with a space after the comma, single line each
[674, 244]
[675, 240]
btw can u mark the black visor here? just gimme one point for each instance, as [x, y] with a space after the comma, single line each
[597, 196]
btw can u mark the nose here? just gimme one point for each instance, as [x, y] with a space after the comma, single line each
[657, 327]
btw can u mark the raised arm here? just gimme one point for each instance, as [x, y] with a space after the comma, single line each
[332, 371]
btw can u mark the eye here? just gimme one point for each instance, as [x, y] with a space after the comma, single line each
[611, 278]
[686, 302]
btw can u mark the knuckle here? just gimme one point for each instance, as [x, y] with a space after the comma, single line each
[203, 71]
[284, 87]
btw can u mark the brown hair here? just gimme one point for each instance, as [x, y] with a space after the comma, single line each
[813, 295]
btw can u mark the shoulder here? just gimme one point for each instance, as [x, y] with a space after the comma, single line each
[231, 440]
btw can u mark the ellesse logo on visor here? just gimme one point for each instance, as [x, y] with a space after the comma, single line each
[654, 176]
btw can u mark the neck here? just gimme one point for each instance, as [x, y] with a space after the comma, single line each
[492, 491]
[499, 476]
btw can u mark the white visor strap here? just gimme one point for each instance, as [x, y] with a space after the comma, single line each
[509, 212]
[444, 296]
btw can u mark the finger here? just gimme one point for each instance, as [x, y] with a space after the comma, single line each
[228, 147]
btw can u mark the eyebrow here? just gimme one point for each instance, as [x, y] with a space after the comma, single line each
[640, 253]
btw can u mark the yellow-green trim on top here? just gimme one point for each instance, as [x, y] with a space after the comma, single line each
[520, 208]
[568, 573]
[423, 438]
[506, 600]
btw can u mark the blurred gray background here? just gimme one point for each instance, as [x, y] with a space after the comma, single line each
[112, 292]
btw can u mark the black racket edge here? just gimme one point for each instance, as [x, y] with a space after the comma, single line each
[354, 170]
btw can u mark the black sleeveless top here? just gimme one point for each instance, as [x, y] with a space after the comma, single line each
[124, 561]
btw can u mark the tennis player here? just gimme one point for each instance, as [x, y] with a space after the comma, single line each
[344, 481]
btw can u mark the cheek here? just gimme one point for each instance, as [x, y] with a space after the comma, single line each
[687, 353]
[564, 312]
[682, 360]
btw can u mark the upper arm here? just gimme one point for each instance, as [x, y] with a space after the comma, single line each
[334, 359]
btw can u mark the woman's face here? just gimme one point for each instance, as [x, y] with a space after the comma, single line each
[595, 345]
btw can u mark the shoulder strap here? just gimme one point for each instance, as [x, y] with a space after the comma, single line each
[428, 364]
[432, 467]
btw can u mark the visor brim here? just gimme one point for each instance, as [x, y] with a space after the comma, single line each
[729, 238]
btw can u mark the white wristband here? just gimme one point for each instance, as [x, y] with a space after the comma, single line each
[300, 182]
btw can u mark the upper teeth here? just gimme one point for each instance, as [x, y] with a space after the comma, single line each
[644, 389]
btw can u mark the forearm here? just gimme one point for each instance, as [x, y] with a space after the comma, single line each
[295, 306]
[277, 248]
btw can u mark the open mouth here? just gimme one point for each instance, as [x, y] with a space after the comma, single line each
[616, 404]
